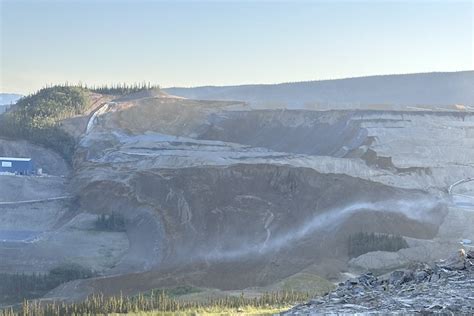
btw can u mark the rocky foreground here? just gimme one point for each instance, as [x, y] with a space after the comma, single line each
[446, 287]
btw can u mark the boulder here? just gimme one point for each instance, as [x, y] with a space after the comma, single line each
[456, 261]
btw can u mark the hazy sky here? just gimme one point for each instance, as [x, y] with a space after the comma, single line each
[218, 43]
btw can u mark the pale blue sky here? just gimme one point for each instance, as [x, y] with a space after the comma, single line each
[233, 42]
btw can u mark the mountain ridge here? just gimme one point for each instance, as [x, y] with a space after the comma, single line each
[434, 88]
[9, 98]
[319, 80]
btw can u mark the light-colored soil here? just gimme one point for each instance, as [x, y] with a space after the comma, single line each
[25, 188]
[76, 242]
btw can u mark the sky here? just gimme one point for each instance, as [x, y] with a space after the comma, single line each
[195, 43]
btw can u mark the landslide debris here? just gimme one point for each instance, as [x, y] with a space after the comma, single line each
[445, 287]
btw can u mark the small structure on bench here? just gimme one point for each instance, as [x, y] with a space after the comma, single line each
[22, 166]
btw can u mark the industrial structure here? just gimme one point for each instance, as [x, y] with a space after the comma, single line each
[21, 166]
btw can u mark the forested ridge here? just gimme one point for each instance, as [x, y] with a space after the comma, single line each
[37, 117]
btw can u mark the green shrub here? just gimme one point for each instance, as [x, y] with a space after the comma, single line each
[113, 222]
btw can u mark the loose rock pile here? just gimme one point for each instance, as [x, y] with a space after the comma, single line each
[446, 287]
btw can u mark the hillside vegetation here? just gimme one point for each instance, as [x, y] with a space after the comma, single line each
[37, 117]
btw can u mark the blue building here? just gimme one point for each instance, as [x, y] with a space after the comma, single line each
[22, 166]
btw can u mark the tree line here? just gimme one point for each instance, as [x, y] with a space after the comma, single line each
[113, 222]
[19, 286]
[361, 243]
[123, 88]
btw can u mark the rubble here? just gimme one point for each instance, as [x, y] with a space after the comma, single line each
[446, 287]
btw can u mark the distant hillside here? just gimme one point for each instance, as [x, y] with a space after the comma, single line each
[9, 98]
[6, 99]
[445, 88]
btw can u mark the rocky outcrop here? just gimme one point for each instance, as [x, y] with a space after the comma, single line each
[445, 287]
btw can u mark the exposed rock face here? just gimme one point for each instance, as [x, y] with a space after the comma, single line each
[445, 287]
[219, 196]
[425, 150]
[301, 132]
[231, 213]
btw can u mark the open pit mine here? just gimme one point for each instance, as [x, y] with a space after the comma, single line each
[235, 192]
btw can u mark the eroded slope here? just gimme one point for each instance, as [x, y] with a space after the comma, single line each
[217, 195]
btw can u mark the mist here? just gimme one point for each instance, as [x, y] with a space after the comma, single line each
[329, 220]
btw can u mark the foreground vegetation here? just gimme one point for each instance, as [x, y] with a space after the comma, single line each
[247, 310]
[159, 303]
[361, 243]
[17, 287]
